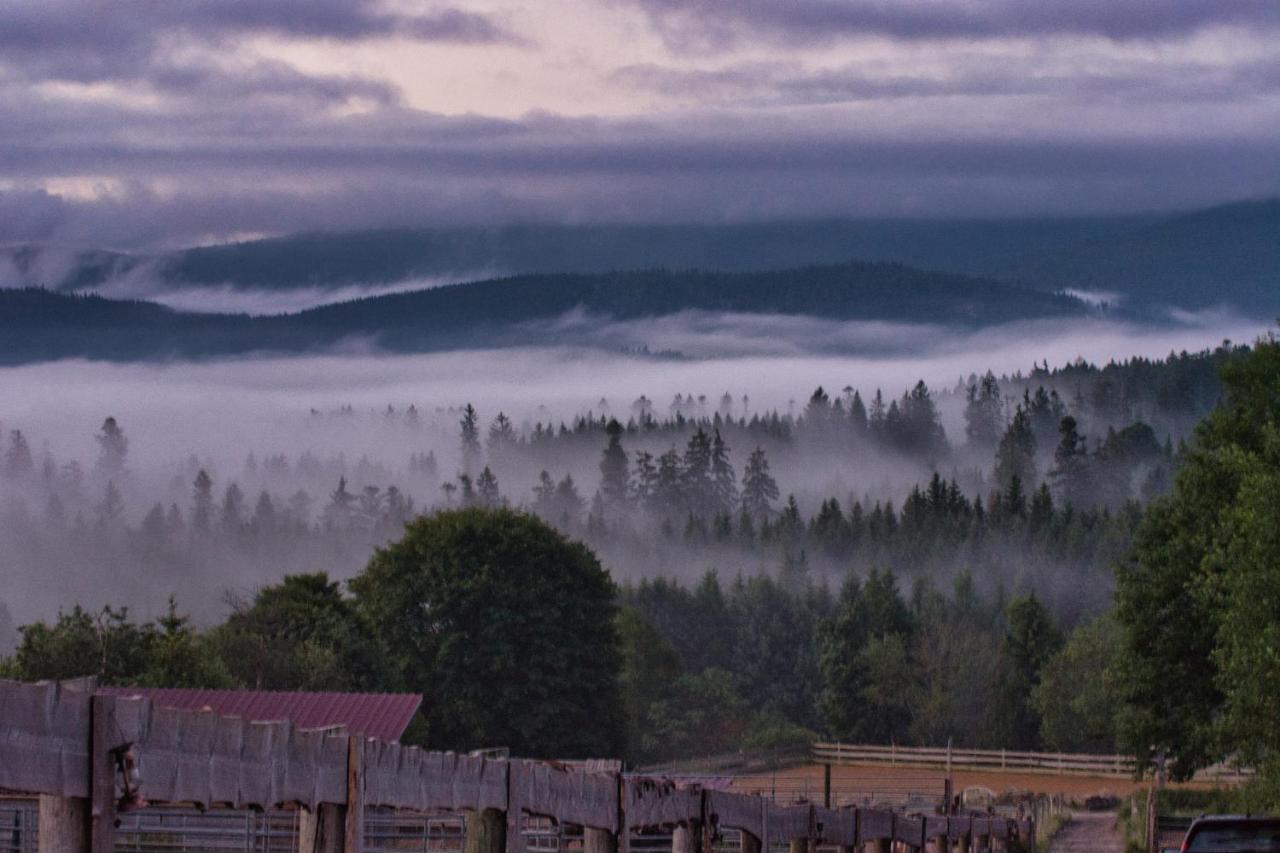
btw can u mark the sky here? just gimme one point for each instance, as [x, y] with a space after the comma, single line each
[143, 124]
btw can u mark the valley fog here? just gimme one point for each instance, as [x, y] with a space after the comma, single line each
[276, 437]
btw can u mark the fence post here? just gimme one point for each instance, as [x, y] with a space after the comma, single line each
[485, 832]
[826, 786]
[355, 796]
[687, 839]
[64, 825]
[593, 841]
[749, 843]
[322, 830]
[102, 775]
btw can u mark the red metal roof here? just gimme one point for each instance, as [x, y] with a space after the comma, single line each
[384, 716]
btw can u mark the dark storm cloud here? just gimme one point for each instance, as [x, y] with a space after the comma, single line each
[702, 23]
[402, 168]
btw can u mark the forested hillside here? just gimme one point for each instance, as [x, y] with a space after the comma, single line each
[1223, 255]
[956, 588]
[36, 324]
[1227, 255]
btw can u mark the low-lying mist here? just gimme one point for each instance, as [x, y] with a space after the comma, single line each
[291, 428]
[147, 284]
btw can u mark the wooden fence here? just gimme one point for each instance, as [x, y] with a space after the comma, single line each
[89, 757]
[1055, 763]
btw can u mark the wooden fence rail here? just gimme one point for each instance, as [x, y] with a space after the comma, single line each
[88, 756]
[1056, 763]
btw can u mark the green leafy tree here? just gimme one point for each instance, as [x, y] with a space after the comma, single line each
[1031, 639]
[1195, 598]
[1076, 697]
[700, 714]
[774, 655]
[649, 668]
[863, 696]
[303, 634]
[507, 626]
[181, 657]
[106, 645]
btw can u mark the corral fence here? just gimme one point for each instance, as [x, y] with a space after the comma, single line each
[1054, 763]
[102, 766]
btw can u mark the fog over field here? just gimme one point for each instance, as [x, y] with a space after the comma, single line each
[220, 409]
[347, 415]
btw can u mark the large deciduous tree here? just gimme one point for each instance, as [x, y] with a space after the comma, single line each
[506, 627]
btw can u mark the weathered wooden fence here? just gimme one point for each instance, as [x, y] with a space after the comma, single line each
[91, 757]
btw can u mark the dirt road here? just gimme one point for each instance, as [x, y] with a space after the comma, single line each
[1089, 832]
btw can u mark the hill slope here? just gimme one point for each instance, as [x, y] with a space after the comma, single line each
[1228, 254]
[37, 324]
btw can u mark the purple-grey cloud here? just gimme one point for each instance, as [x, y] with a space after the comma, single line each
[766, 84]
[397, 167]
[170, 48]
[125, 24]
[718, 23]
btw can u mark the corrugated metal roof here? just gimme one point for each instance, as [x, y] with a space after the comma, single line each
[384, 716]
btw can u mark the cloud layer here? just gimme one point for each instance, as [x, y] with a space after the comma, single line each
[132, 125]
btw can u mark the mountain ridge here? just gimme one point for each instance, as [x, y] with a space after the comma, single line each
[40, 324]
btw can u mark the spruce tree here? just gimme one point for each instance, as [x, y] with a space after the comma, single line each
[470, 434]
[614, 479]
[1071, 474]
[1016, 455]
[724, 483]
[487, 493]
[113, 448]
[202, 501]
[759, 489]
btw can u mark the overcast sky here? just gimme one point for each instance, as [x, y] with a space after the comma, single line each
[147, 123]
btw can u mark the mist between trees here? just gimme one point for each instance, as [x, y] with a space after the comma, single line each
[760, 527]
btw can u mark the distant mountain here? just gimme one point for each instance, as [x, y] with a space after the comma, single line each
[1223, 255]
[973, 247]
[326, 260]
[38, 324]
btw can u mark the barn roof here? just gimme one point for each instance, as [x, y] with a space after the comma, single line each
[384, 716]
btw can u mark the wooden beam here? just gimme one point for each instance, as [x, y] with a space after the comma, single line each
[749, 843]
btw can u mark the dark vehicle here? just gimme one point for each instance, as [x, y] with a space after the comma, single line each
[1233, 834]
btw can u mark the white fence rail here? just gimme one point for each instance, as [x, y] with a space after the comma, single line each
[1054, 763]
